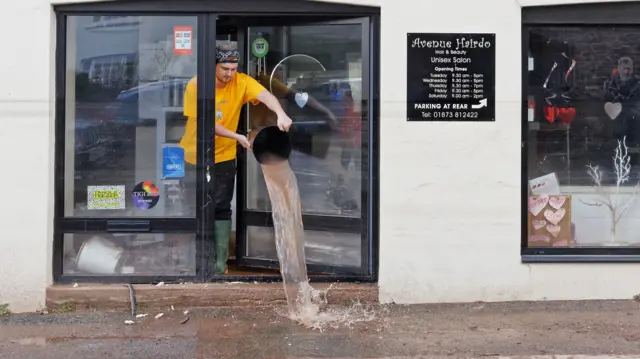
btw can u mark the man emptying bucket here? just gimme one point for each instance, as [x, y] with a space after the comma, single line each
[233, 90]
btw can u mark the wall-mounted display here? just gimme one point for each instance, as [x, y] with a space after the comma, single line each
[451, 77]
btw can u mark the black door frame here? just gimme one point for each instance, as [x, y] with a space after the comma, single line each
[248, 217]
[206, 13]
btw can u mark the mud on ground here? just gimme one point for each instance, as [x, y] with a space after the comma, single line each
[440, 330]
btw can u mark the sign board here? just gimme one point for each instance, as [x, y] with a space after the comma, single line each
[451, 77]
[183, 40]
[172, 161]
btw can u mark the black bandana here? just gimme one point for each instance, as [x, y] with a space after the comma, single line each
[227, 54]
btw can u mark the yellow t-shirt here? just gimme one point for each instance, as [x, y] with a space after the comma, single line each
[229, 102]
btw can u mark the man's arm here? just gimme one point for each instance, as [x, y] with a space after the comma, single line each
[257, 93]
[284, 122]
[225, 132]
[281, 90]
[271, 102]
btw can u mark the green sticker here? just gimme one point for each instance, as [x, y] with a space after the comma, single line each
[259, 47]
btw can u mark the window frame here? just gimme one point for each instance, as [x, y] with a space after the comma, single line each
[104, 225]
[315, 221]
[574, 15]
[206, 13]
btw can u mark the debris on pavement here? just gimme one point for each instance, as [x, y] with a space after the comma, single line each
[132, 299]
[184, 320]
[129, 322]
[160, 284]
[141, 315]
[159, 315]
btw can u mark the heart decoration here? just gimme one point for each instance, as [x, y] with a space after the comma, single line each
[554, 217]
[554, 230]
[301, 99]
[550, 114]
[537, 224]
[536, 205]
[613, 109]
[539, 238]
[562, 243]
[567, 114]
[557, 202]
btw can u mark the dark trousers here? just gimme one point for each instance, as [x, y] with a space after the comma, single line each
[224, 175]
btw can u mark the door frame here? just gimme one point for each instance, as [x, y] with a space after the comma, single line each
[315, 222]
[206, 13]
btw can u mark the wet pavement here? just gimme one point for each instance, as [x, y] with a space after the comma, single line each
[515, 329]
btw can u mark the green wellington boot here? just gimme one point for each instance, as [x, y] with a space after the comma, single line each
[223, 235]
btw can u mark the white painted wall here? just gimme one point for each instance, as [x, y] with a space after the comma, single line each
[26, 145]
[450, 192]
[450, 222]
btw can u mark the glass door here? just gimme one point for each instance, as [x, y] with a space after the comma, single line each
[319, 70]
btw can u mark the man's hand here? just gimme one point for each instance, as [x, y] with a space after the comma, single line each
[243, 141]
[333, 121]
[284, 122]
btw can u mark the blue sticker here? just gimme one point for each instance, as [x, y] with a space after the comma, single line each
[172, 162]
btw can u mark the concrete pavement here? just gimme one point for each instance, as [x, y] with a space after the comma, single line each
[560, 330]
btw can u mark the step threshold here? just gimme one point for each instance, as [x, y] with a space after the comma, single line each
[197, 295]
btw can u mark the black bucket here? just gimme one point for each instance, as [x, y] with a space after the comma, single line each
[270, 145]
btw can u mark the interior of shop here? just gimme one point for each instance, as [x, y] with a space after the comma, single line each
[124, 118]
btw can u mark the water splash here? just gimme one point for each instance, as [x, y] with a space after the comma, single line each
[306, 305]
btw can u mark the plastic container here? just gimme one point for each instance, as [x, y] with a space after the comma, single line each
[99, 256]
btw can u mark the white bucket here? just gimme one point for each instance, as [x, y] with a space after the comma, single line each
[98, 256]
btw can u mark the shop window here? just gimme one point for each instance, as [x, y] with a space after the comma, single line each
[324, 62]
[582, 139]
[126, 202]
[123, 109]
[129, 254]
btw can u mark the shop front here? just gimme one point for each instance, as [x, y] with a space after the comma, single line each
[513, 178]
[128, 210]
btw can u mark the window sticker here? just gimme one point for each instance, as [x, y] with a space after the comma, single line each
[172, 162]
[183, 40]
[145, 195]
[260, 47]
[105, 197]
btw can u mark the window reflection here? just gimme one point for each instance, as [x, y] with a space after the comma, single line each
[583, 136]
[324, 102]
[123, 108]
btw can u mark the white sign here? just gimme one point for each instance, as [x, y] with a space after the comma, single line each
[183, 40]
[547, 184]
[105, 197]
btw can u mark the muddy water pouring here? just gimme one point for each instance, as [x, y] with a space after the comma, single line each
[272, 148]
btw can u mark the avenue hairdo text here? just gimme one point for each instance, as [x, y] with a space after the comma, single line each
[460, 43]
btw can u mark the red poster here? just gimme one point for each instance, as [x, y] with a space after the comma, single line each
[183, 40]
